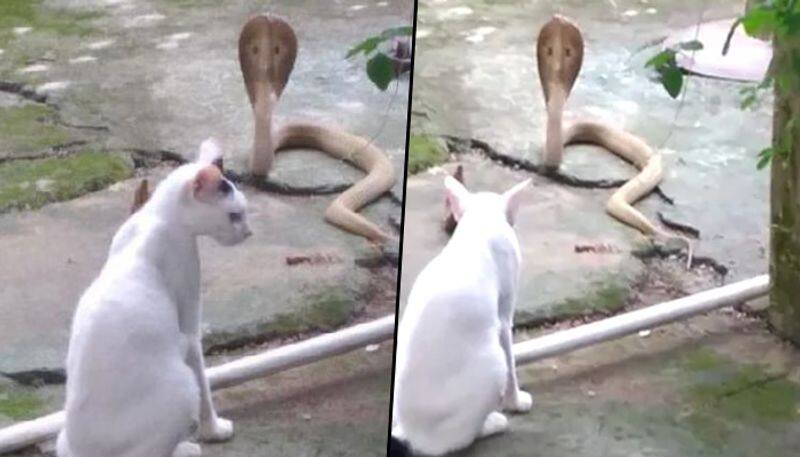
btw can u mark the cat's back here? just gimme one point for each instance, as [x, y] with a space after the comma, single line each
[453, 298]
[127, 297]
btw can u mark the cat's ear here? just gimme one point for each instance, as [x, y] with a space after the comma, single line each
[512, 199]
[141, 196]
[210, 153]
[456, 196]
[206, 183]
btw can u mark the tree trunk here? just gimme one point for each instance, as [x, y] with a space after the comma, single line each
[784, 309]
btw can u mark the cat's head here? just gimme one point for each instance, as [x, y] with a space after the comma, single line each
[485, 206]
[215, 206]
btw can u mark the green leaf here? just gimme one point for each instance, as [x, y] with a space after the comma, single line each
[693, 45]
[672, 80]
[366, 46]
[661, 59]
[369, 45]
[380, 70]
[764, 157]
[748, 101]
[759, 20]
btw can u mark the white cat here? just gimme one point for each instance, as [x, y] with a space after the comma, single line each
[455, 365]
[136, 384]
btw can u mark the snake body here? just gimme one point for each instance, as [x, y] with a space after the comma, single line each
[267, 51]
[559, 55]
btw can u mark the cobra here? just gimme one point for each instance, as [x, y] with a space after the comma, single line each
[267, 51]
[559, 56]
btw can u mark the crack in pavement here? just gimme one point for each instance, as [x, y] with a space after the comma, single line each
[143, 157]
[37, 378]
[752, 385]
[58, 150]
[97, 128]
[23, 91]
[658, 251]
[457, 145]
[686, 229]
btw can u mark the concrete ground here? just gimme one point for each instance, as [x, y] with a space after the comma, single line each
[102, 101]
[476, 78]
[717, 385]
[334, 407]
[97, 94]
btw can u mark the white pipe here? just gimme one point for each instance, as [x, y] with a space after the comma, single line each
[28, 433]
[295, 355]
[646, 318]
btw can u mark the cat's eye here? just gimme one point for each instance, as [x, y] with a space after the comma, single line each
[235, 217]
[225, 187]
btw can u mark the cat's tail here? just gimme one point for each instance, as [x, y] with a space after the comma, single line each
[398, 449]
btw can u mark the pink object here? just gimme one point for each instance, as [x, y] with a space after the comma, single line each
[747, 59]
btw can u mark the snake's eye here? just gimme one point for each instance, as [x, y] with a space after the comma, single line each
[255, 50]
[277, 50]
[549, 51]
[567, 52]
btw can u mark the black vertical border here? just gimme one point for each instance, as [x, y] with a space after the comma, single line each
[402, 224]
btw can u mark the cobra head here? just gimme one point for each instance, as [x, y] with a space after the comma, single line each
[267, 50]
[559, 55]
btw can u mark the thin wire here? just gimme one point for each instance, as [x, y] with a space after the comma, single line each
[385, 115]
[686, 84]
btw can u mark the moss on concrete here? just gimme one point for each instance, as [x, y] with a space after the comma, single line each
[604, 297]
[423, 153]
[723, 397]
[325, 310]
[29, 128]
[30, 184]
[33, 13]
[18, 403]
[607, 297]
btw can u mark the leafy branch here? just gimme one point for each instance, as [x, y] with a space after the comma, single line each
[669, 74]
[771, 18]
[380, 67]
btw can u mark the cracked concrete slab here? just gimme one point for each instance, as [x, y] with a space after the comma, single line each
[158, 56]
[249, 291]
[708, 142]
[169, 79]
[553, 220]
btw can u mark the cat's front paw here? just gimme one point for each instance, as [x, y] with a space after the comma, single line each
[187, 449]
[520, 403]
[216, 430]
